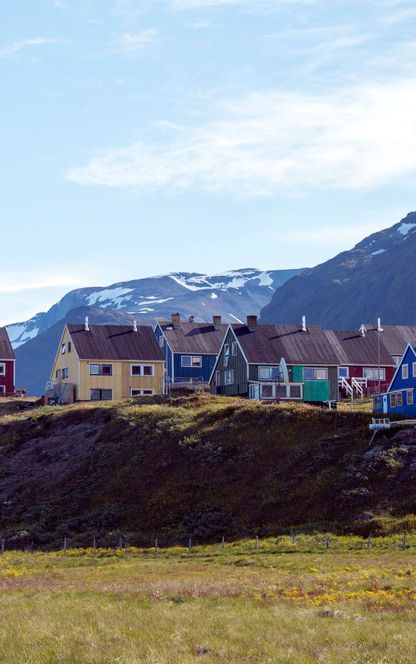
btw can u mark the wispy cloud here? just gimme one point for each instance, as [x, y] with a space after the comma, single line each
[13, 50]
[129, 43]
[267, 141]
[256, 4]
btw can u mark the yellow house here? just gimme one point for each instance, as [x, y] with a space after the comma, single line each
[104, 362]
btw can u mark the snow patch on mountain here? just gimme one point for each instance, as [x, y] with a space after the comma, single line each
[105, 294]
[405, 227]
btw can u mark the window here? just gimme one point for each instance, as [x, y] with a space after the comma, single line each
[142, 370]
[226, 361]
[266, 391]
[295, 392]
[315, 373]
[162, 341]
[217, 378]
[193, 361]
[343, 372]
[58, 373]
[134, 392]
[2, 369]
[374, 374]
[69, 347]
[405, 371]
[399, 399]
[101, 369]
[414, 370]
[227, 350]
[229, 377]
[63, 349]
[101, 395]
[393, 401]
[2, 390]
[269, 373]
[65, 373]
[234, 347]
[409, 397]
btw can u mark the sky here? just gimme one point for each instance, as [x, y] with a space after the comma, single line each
[141, 137]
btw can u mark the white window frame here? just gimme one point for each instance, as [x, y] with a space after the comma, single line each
[142, 374]
[414, 369]
[192, 358]
[140, 392]
[161, 341]
[217, 378]
[229, 377]
[347, 369]
[2, 368]
[227, 350]
[405, 371]
[315, 373]
[65, 373]
[234, 348]
[100, 371]
[371, 373]
[399, 397]
[409, 393]
[63, 349]
[101, 389]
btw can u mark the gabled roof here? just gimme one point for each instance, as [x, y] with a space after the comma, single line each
[200, 338]
[395, 337]
[6, 350]
[354, 349]
[115, 342]
[269, 343]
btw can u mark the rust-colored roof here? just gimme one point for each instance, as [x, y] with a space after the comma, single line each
[354, 349]
[395, 337]
[115, 342]
[269, 343]
[6, 350]
[201, 338]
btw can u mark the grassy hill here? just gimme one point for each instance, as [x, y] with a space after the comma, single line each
[200, 466]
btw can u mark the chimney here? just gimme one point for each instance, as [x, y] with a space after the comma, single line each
[135, 326]
[304, 328]
[216, 321]
[363, 330]
[251, 322]
[176, 319]
[87, 324]
[191, 319]
[379, 328]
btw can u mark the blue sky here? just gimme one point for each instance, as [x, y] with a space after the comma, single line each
[147, 136]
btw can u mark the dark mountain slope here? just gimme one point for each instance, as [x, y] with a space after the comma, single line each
[376, 278]
[202, 466]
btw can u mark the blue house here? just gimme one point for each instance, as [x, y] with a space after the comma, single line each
[190, 349]
[400, 399]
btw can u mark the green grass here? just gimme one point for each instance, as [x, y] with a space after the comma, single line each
[277, 603]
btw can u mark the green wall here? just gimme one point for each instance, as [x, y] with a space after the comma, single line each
[316, 390]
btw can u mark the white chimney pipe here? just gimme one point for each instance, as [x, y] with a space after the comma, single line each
[379, 328]
[87, 324]
[135, 326]
[304, 328]
[363, 330]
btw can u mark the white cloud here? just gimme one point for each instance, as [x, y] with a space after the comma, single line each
[267, 141]
[12, 50]
[252, 4]
[130, 43]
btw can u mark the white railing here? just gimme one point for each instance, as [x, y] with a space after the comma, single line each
[267, 391]
[344, 385]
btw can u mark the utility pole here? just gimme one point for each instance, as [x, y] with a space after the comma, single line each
[379, 331]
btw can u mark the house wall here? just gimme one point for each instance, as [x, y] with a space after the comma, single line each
[121, 382]
[239, 364]
[204, 372]
[8, 379]
[67, 360]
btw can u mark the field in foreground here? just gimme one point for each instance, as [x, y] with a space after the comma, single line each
[278, 603]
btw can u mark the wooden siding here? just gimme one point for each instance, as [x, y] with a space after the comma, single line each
[8, 379]
[236, 362]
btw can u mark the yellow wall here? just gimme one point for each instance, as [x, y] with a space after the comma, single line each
[120, 382]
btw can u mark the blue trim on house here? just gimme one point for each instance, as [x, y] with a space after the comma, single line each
[400, 399]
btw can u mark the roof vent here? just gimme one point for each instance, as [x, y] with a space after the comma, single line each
[135, 326]
[191, 319]
[304, 328]
[251, 322]
[379, 327]
[176, 319]
[216, 320]
[87, 324]
[363, 330]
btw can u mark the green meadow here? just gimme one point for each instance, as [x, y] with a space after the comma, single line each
[281, 601]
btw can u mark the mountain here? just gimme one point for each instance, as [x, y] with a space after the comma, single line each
[231, 295]
[376, 278]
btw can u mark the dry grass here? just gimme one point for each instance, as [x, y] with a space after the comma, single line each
[280, 603]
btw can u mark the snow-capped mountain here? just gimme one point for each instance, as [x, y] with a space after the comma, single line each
[232, 295]
[376, 278]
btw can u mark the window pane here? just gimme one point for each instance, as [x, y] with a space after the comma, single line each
[94, 369]
[197, 361]
[107, 369]
[321, 374]
[106, 395]
[267, 391]
[264, 373]
[186, 361]
[281, 391]
[95, 395]
[275, 373]
[295, 392]
[136, 370]
[308, 373]
[343, 372]
[148, 370]
[227, 349]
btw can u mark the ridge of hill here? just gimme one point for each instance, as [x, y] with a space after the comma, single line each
[200, 466]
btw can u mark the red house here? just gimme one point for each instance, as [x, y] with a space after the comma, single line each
[7, 364]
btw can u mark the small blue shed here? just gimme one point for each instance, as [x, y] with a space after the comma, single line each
[190, 349]
[400, 398]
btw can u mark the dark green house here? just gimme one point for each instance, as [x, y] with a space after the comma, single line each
[270, 362]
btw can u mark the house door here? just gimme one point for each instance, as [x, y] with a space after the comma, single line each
[385, 403]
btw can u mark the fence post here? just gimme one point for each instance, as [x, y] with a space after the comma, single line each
[156, 545]
[190, 545]
[369, 541]
[94, 543]
[65, 544]
[3, 545]
[327, 542]
[120, 543]
[293, 536]
[32, 547]
[223, 542]
[257, 541]
[404, 543]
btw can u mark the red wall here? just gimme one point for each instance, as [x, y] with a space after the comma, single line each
[8, 379]
[357, 372]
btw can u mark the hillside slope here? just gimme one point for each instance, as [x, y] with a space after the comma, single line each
[376, 278]
[203, 466]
